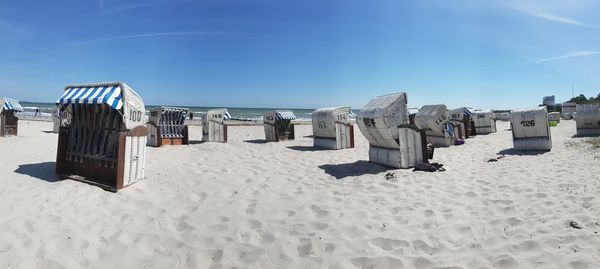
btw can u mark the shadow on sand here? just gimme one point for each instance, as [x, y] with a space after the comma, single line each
[522, 152]
[195, 142]
[43, 171]
[49, 132]
[256, 141]
[306, 148]
[357, 168]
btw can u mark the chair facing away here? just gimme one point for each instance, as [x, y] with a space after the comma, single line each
[587, 118]
[462, 120]
[332, 129]
[435, 121]
[213, 125]
[530, 129]
[484, 123]
[393, 141]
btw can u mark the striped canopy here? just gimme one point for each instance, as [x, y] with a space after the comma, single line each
[227, 116]
[109, 94]
[285, 115]
[12, 104]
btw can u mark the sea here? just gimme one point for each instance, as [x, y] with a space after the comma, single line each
[241, 113]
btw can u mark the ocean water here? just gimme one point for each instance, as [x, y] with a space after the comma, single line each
[236, 112]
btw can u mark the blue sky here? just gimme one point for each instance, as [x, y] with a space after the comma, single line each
[304, 54]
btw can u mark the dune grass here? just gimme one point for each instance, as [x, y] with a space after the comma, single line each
[595, 142]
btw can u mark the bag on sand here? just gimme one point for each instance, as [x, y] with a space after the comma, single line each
[429, 167]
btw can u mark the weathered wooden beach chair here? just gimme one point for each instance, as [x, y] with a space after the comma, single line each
[167, 126]
[587, 118]
[332, 129]
[484, 123]
[213, 125]
[435, 121]
[530, 129]
[103, 139]
[393, 141]
[463, 123]
[9, 122]
[278, 125]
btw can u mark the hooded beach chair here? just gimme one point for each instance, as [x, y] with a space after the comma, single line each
[530, 130]
[554, 116]
[393, 141]
[103, 139]
[332, 129]
[167, 126]
[213, 125]
[278, 125]
[484, 123]
[463, 123]
[435, 121]
[587, 118]
[9, 122]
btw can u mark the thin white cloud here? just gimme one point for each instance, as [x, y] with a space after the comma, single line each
[568, 55]
[113, 10]
[538, 12]
[11, 27]
[150, 35]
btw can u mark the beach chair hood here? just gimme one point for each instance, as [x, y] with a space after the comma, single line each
[10, 104]
[460, 114]
[433, 119]
[277, 115]
[380, 118]
[116, 95]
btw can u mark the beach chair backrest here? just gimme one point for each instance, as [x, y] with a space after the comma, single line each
[530, 123]
[379, 119]
[324, 120]
[433, 119]
[587, 117]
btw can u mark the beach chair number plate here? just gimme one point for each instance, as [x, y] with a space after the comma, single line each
[369, 122]
[528, 123]
[440, 120]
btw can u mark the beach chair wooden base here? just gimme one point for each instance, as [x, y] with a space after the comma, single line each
[533, 144]
[110, 174]
[8, 124]
[588, 132]
[216, 132]
[155, 138]
[277, 133]
[344, 138]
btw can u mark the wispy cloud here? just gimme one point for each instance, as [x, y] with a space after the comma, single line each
[568, 55]
[106, 10]
[538, 12]
[10, 27]
[161, 34]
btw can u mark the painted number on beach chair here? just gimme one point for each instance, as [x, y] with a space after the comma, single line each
[528, 123]
[440, 120]
[369, 122]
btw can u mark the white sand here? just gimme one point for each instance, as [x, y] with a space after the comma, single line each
[280, 205]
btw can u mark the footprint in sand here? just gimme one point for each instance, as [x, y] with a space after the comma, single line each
[389, 244]
[319, 212]
[251, 206]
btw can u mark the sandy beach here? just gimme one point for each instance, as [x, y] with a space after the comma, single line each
[251, 204]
